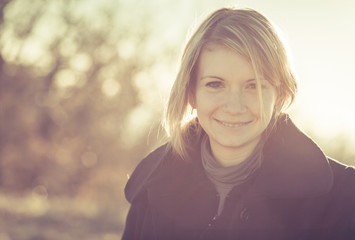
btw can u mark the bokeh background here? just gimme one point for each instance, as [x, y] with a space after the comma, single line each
[82, 90]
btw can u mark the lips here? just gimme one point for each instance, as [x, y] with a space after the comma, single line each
[233, 124]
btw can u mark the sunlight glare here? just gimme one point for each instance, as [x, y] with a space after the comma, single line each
[81, 62]
[65, 78]
[110, 87]
[126, 49]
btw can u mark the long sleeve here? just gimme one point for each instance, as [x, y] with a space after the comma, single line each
[139, 223]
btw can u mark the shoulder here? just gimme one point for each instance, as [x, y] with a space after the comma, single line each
[344, 175]
[342, 192]
[143, 171]
[342, 172]
[340, 201]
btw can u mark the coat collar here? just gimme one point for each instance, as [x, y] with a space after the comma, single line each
[293, 165]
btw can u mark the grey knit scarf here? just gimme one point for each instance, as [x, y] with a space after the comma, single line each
[226, 178]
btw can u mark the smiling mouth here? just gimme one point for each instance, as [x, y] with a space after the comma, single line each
[233, 125]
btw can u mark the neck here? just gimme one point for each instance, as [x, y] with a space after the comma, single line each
[229, 156]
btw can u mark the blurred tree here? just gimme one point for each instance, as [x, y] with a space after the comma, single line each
[67, 94]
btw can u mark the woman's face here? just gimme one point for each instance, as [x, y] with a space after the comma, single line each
[227, 100]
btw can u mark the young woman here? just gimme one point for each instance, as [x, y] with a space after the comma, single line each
[235, 165]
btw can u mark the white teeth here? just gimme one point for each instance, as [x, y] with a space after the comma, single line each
[232, 124]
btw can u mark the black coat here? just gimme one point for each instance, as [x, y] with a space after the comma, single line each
[297, 193]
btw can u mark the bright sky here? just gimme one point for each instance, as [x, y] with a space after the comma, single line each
[321, 37]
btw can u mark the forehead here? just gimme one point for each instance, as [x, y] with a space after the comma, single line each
[223, 61]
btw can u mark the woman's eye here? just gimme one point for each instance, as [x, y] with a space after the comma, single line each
[251, 86]
[215, 84]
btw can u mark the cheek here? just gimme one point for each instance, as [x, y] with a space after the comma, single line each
[269, 103]
[200, 104]
[253, 104]
[205, 102]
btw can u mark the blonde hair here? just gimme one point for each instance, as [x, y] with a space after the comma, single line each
[250, 34]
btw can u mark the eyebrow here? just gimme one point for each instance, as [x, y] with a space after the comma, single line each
[251, 80]
[212, 76]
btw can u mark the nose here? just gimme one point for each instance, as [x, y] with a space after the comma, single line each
[235, 103]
